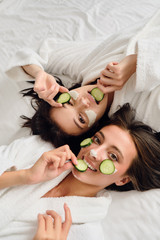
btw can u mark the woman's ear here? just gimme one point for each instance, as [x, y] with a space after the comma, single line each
[123, 181]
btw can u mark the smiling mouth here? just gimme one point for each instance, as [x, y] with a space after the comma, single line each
[89, 166]
[97, 102]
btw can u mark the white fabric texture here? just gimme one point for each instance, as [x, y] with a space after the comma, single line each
[68, 59]
[26, 24]
[19, 219]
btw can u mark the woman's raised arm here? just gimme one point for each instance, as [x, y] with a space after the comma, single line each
[115, 75]
[45, 84]
[50, 165]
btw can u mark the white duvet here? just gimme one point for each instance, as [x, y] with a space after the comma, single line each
[27, 23]
[82, 62]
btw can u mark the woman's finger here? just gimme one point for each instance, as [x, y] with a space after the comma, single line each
[57, 219]
[41, 222]
[63, 89]
[107, 89]
[68, 220]
[63, 159]
[73, 158]
[70, 155]
[107, 81]
[48, 223]
[112, 66]
[107, 73]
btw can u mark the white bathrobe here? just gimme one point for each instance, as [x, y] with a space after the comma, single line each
[20, 205]
[83, 61]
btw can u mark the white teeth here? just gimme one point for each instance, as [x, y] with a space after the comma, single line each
[89, 165]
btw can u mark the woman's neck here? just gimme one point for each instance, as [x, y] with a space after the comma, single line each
[70, 186]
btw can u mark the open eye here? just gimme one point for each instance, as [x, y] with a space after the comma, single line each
[96, 140]
[81, 119]
[113, 157]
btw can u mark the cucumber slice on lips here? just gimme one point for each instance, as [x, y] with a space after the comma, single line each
[81, 166]
[64, 97]
[107, 167]
[97, 94]
[86, 142]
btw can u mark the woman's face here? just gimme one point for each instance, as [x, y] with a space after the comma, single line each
[113, 143]
[81, 112]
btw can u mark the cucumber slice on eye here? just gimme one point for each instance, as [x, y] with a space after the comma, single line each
[86, 142]
[97, 94]
[64, 97]
[107, 167]
[81, 166]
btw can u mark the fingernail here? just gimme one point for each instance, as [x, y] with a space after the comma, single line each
[65, 205]
[76, 161]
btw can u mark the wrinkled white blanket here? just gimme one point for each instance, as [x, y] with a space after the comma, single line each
[20, 205]
[82, 62]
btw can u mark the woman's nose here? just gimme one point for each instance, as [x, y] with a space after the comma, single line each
[98, 154]
[84, 102]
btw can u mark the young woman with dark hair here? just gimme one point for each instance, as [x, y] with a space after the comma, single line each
[54, 128]
[132, 146]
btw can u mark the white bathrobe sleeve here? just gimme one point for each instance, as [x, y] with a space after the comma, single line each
[146, 44]
[148, 62]
[7, 158]
[55, 57]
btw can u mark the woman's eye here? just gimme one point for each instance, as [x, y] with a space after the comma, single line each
[96, 140]
[70, 103]
[81, 119]
[113, 156]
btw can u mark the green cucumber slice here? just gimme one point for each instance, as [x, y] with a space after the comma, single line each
[97, 94]
[64, 97]
[86, 142]
[107, 167]
[81, 166]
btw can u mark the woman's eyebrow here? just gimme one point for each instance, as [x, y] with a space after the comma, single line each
[118, 150]
[101, 133]
[114, 147]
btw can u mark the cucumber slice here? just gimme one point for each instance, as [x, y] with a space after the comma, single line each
[107, 167]
[81, 166]
[64, 97]
[97, 94]
[86, 142]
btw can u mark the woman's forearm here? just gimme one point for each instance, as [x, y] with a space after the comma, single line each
[32, 69]
[14, 178]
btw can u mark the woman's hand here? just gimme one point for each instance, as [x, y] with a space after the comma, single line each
[115, 75]
[50, 165]
[47, 88]
[53, 231]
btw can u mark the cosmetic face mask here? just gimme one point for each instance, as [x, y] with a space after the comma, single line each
[91, 116]
[93, 153]
[74, 94]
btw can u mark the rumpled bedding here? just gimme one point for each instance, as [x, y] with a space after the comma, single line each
[27, 23]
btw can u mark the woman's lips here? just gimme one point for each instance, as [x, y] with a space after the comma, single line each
[89, 163]
[92, 99]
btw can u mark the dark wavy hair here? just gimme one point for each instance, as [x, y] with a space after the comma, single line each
[144, 171]
[41, 124]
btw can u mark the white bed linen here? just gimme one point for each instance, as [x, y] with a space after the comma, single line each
[26, 23]
[82, 62]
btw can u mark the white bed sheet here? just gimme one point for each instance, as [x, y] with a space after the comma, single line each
[132, 215]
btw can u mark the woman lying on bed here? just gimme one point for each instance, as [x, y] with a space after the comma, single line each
[132, 146]
[82, 62]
